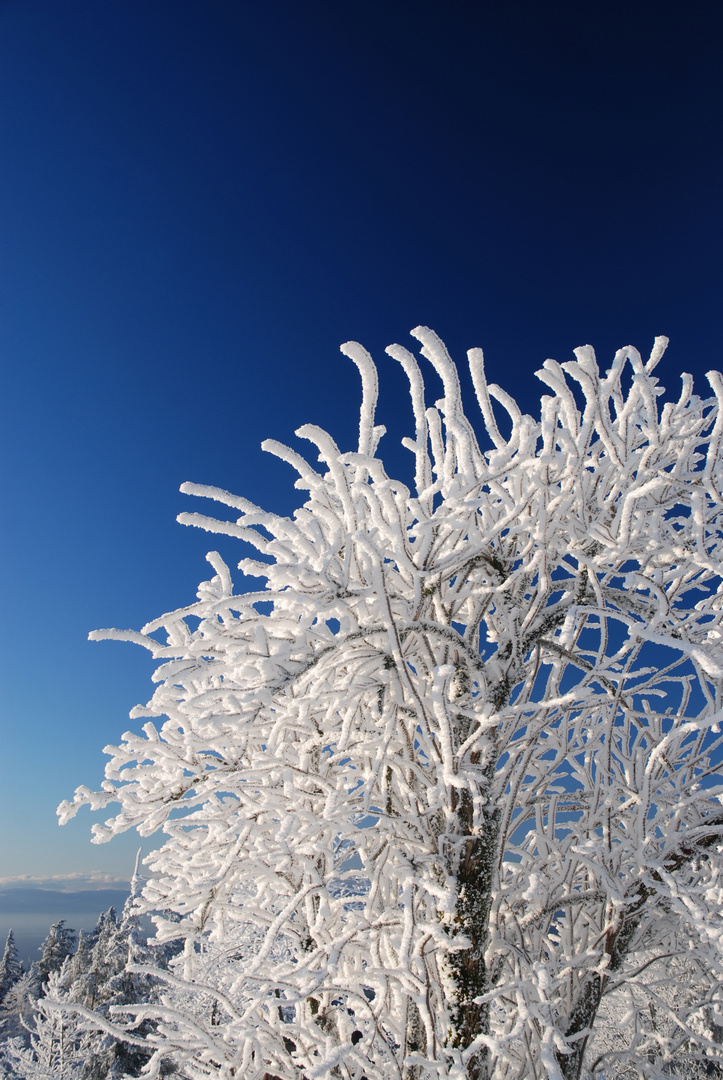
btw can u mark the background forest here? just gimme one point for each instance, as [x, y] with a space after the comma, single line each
[85, 968]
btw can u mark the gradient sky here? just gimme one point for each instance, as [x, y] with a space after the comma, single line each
[199, 201]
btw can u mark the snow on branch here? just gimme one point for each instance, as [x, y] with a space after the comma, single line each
[442, 799]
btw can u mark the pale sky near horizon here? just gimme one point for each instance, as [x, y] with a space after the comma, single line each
[199, 201]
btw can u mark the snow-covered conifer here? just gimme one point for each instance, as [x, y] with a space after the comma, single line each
[105, 982]
[442, 799]
[77, 978]
[18, 1005]
[57, 947]
[55, 1050]
[11, 969]
[97, 978]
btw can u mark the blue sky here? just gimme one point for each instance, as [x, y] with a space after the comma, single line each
[199, 201]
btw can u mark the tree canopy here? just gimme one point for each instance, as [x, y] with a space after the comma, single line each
[442, 798]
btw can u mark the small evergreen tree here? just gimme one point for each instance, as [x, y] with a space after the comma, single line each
[23, 989]
[96, 978]
[77, 970]
[120, 943]
[58, 945]
[56, 1049]
[88, 968]
[18, 1005]
[11, 968]
[98, 960]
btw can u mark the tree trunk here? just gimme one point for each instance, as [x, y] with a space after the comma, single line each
[475, 878]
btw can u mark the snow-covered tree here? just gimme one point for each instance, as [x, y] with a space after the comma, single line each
[18, 1005]
[95, 961]
[442, 799]
[11, 969]
[54, 1050]
[18, 991]
[57, 947]
[98, 979]
[25, 988]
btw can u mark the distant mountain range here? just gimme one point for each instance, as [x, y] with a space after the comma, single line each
[57, 904]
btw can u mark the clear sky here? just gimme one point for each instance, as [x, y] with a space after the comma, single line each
[201, 199]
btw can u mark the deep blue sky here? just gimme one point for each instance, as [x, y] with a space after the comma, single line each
[200, 200]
